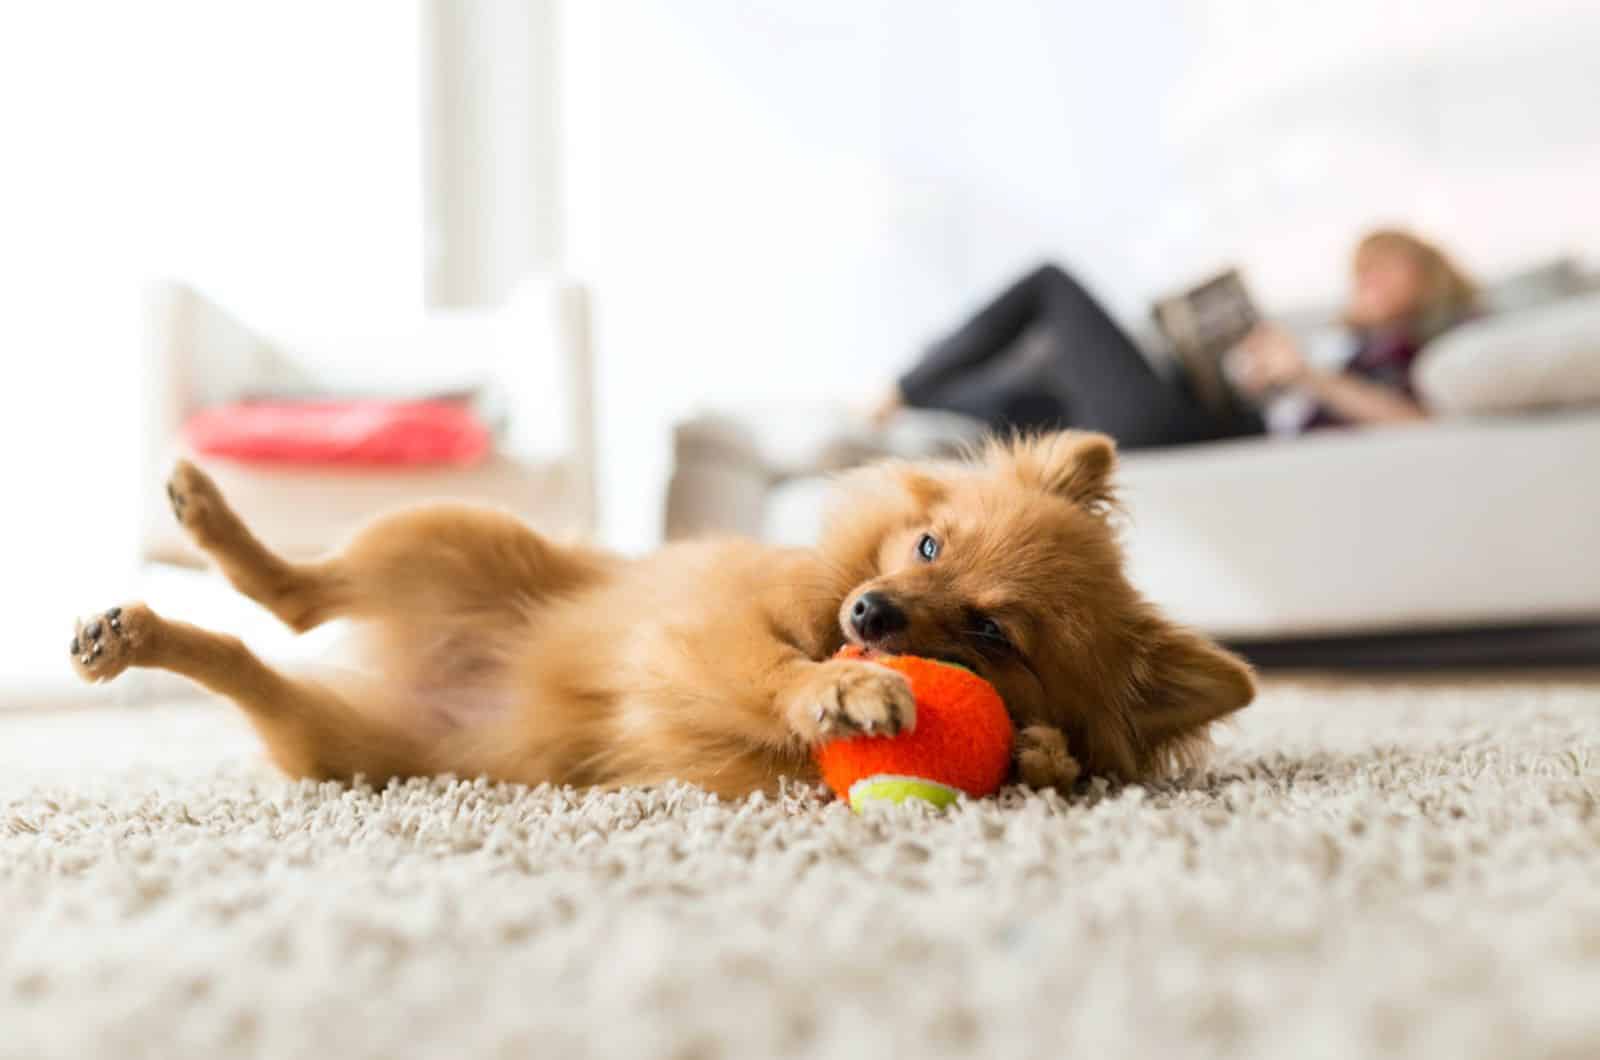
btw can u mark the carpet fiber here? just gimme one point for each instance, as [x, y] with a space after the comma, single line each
[1398, 869]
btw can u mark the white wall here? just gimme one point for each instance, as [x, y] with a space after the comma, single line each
[780, 200]
[786, 200]
[1296, 125]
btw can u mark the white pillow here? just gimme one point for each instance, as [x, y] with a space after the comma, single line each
[1544, 357]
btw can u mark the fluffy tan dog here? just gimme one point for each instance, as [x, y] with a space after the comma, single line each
[484, 649]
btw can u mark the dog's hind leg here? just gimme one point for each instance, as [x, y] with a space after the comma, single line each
[310, 729]
[302, 595]
[420, 565]
[444, 597]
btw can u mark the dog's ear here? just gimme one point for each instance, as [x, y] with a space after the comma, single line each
[1185, 683]
[1076, 465]
[898, 484]
[916, 483]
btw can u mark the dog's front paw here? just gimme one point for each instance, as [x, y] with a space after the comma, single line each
[104, 645]
[848, 697]
[1043, 760]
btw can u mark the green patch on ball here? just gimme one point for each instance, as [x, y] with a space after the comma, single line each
[887, 789]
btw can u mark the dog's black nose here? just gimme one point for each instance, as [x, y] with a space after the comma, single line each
[875, 616]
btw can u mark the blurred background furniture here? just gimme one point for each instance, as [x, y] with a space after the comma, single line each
[526, 362]
[1469, 538]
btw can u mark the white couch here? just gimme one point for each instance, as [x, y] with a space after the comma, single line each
[1472, 523]
[1456, 540]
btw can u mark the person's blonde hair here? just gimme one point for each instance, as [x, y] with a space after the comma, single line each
[1448, 294]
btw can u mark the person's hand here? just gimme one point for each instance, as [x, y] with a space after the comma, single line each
[1269, 358]
[886, 407]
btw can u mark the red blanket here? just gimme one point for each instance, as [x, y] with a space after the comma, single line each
[341, 433]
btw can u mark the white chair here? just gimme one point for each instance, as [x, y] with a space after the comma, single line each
[534, 349]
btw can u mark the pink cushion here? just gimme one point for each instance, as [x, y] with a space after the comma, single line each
[340, 433]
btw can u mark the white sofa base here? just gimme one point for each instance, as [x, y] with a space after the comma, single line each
[1459, 524]
[1456, 523]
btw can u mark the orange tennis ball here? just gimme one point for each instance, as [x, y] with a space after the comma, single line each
[961, 742]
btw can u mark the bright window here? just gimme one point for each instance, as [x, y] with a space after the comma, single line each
[269, 153]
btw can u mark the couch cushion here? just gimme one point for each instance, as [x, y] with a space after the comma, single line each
[1544, 357]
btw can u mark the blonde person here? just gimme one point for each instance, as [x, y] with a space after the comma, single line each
[1088, 373]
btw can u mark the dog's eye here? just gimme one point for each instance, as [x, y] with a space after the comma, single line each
[986, 628]
[928, 547]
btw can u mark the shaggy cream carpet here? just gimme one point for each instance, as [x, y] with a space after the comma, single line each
[1366, 869]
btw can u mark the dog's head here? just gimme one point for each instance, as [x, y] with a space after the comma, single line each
[1009, 565]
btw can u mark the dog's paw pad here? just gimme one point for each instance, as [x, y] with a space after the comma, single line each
[104, 644]
[196, 502]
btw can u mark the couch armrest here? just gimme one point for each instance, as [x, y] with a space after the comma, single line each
[710, 493]
[164, 369]
[726, 464]
[181, 325]
[545, 367]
